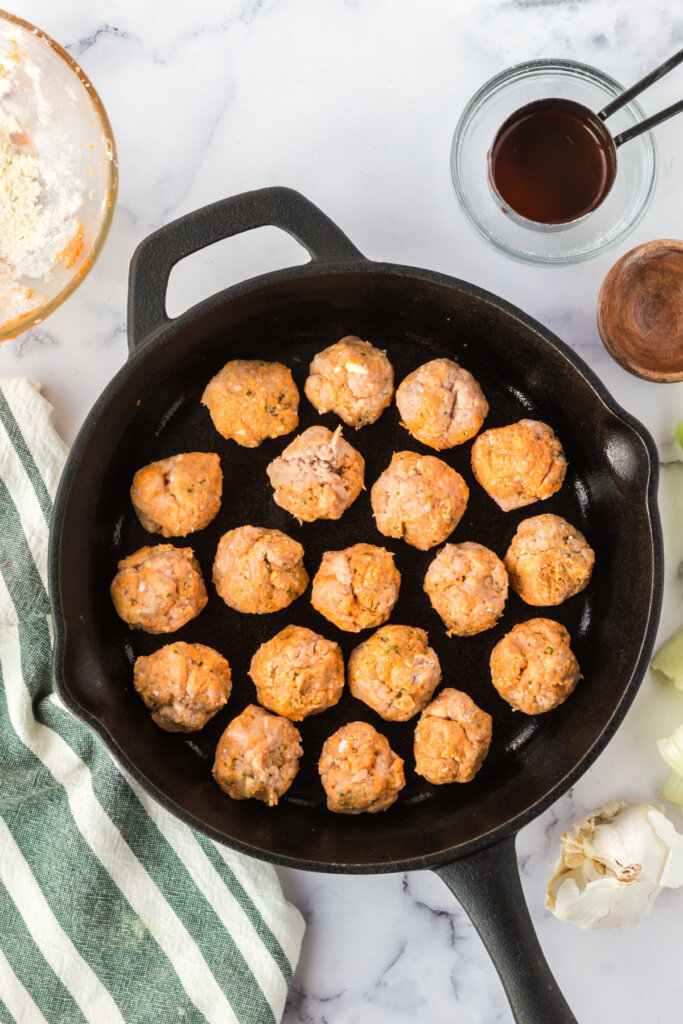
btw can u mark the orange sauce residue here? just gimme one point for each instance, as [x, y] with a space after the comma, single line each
[16, 325]
[22, 142]
[72, 250]
[15, 53]
[83, 269]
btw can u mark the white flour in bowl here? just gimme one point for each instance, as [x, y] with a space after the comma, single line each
[38, 202]
[22, 229]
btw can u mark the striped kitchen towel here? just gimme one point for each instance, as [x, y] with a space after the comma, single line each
[111, 910]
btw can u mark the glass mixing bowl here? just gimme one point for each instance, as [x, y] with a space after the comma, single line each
[604, 227]
[63, 125]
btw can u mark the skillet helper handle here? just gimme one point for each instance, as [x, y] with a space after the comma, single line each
[488, 887]
[155, 257]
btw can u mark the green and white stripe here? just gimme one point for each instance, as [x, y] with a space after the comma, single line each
[111, 910]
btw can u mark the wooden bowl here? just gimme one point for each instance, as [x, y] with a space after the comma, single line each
[640, 311]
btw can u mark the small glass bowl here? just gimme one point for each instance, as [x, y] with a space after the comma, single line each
[64, 125]
[618, 214]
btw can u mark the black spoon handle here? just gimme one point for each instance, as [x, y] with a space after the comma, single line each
[650, 122]
[644, 83]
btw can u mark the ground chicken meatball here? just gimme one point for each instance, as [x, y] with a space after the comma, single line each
[533, 667]
[250, 400]
[468, 587]
[183, 685]
[519, 464]
[258, 570]
[548, 560]
[452, 739]
[353, 379]
[317, 476]
[356, 588]
[419, 498]
[359, 770]
[395, 672]
[441, 404]
[159, 589]
[298, 673]
[257, 756]
[178, 495]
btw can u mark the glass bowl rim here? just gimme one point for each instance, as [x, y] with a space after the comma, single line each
[39, 314]
[529, 69]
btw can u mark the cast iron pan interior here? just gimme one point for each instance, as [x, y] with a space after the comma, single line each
[152, 410]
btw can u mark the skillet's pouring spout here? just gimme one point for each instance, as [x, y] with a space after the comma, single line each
[487, 885]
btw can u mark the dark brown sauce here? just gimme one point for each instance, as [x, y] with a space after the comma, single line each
[553, 161]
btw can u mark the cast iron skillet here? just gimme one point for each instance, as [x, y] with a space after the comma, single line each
[151, 409]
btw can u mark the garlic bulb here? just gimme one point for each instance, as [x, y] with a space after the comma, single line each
[613, 863]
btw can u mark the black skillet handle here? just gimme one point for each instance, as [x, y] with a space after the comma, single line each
[488, 887]
[155, 257]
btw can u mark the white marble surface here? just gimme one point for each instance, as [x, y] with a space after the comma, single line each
[353, 102]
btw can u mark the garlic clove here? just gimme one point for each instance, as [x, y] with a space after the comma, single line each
[628, 847]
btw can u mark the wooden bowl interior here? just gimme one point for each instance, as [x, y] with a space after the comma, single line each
[640, 311]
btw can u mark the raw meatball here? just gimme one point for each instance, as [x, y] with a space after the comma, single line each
[298, 673]
[159, 589]
[353, 379]
[178, 495]
[257, 756]
[452, 739]
[519, 464]
[419, 498]
[183, 685]
[250, 400]
[258, 570]
[359, 770]
[356, 588]
[395, 672]
[548, 560]
[533, 667]
[468, 586]
[441, 404]
[317, 476]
